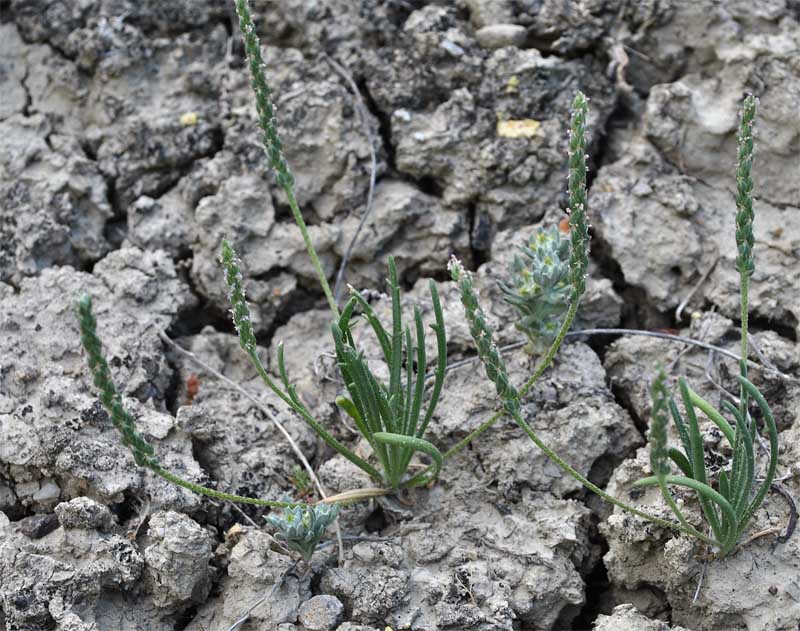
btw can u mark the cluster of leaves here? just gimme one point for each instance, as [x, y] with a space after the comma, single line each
[300, 528]
[390, 417]
[727, 511]
[546, 285]
[539, 287]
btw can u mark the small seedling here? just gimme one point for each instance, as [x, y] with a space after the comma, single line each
[301, 482]
[728, 510]
[301, 528]
[539, 287]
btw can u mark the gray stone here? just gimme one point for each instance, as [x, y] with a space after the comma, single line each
[627, 618]
[501, 35]
[321, 613]
[83, 512]
[176, 554]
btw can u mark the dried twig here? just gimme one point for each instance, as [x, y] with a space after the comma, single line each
[362, 113]
[700, 580]
[685, 301]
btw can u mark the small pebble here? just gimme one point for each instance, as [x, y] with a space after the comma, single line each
[321, 613]
[501, 35]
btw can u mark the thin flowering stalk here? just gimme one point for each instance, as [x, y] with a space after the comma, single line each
[728, 511]
[745, 216]
[270, 139]
[495, 369]
[241, 320]
[143, 452]
[579, 255]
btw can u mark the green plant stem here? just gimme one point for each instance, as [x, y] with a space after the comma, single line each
[679, 514]
[270, 138]
[219, 495]
[552, 455]
[323, 433]
[744, 290]
[312, 253]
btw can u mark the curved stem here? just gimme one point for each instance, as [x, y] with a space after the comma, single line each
[598, 491]
[551, 353]
[219, 495]
[679, 514]
[473, 435]
[543, 365]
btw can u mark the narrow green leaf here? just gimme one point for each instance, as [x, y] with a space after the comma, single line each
[703, 490]
[697, 457]
[409, 385]
[682, 431]
[724, 486]
[419, 385]
[377, 327]
[396, 358]
[772, 431]
[713, 415]
[679, 459]
[441, 361]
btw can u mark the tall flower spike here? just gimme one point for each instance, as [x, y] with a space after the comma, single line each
[482, 335]
[236, 297]
[142, 451]
[578, 223]
[659, 454]
[744, 188]
[264, 107]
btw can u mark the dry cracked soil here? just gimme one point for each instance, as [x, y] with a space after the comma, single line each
[129, 150]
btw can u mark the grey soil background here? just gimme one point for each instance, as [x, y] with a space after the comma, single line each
[129, 149]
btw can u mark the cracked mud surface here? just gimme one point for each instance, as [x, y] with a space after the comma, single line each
[129, 150]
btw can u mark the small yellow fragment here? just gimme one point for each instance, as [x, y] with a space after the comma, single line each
[512, 87]
[189, 119]
[524, 128]
[234, 531]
